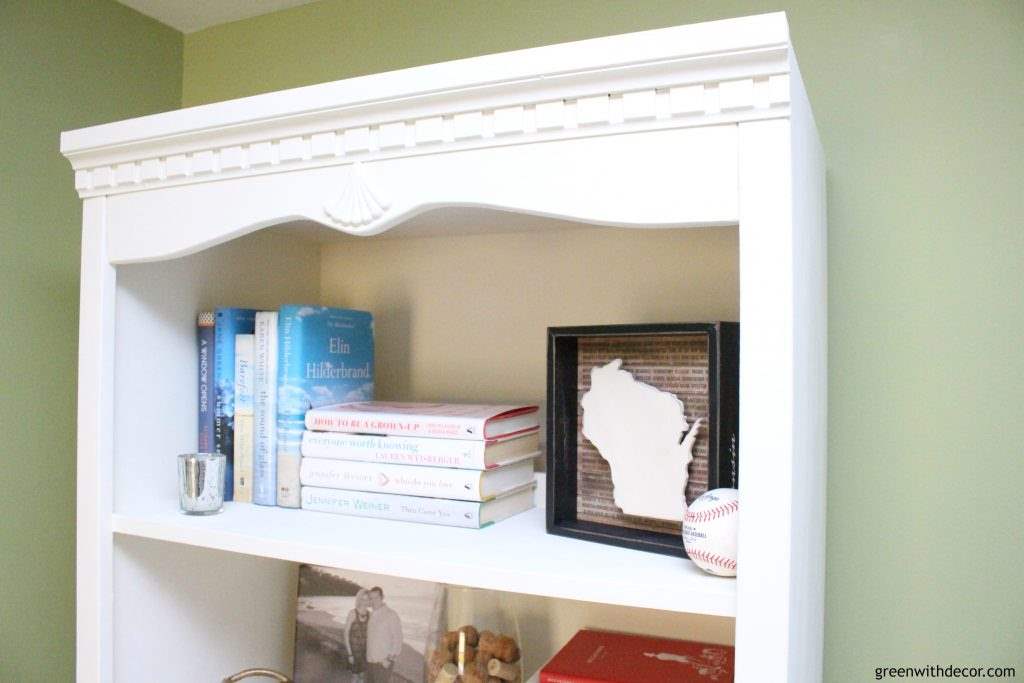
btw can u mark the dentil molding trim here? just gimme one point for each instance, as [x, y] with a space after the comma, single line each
[729, 72]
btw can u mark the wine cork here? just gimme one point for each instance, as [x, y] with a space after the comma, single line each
[472, 635]
[488, 644]
[503, 670]
[506, 649]
[471, 675]
[447, 674]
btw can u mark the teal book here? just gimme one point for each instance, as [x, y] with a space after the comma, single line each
[325, 356]
[228, 322]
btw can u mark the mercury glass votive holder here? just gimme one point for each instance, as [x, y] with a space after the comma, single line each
[201, 482]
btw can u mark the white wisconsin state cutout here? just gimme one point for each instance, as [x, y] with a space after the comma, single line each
[637, 428]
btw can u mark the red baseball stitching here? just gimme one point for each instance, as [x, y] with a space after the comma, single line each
[712, 559]
[712, 513]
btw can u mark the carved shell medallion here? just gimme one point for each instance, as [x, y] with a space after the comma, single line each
[358, 204]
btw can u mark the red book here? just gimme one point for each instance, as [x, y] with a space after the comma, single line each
[603, 657]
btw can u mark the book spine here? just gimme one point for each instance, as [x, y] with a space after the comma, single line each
[228, 322]
[243, 418]
[243, 458]
[205, 345]
[224, 406]
[409, 480]
[265, 409]
[388, 506]
[431, 426]
[289, 444]
[398, 450]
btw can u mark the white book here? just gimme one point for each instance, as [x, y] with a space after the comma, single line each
[475, 422]
[461, 513]
[413, 480]
[243, 442]
[415, 450]
[265, 409]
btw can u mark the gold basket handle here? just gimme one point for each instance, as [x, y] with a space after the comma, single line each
[248, 673]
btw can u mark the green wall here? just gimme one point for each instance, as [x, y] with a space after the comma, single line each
[63, 65]
[919, 106]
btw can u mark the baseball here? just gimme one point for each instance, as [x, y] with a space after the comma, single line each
[709, 531]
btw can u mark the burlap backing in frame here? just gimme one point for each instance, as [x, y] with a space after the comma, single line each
[676, 363]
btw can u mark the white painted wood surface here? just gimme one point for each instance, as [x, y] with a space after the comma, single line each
[738, 48]
[669, 178]
[94, 500]
[702, 125]
[766, 382]
[810, 401]
[516, 555]
[180, 615]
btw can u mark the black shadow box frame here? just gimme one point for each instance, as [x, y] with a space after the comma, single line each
[722, 426]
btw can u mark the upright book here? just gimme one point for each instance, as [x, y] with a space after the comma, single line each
[413, 480]
[604, 657]
[325, 356]
[204, 344]
[243, 417]
[228, 322]
[264, 408]
[416, 450]
[462, 513]
[434, 420]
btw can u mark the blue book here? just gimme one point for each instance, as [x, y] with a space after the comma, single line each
[325, 356]
[228, 322]
[204, 341]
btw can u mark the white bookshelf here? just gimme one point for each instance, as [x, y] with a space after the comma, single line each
[244, 203]
[516, 555]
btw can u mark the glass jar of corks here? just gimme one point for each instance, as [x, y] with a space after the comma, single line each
[474, 639]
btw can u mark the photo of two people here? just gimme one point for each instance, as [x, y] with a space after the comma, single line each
[353, 627]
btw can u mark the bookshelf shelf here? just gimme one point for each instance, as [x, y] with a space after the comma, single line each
[514, 555]
[666, 176]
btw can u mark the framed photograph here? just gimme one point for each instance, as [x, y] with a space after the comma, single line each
[637, 415]
[353, 627]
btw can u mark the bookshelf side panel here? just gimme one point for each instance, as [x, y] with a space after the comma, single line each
[810, 420]
[156, 358]
[767, 526]
[193, 614]
[95, 446]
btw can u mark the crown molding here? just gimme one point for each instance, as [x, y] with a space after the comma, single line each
[705, 74]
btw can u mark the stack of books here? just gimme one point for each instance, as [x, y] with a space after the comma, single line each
[259, 372]
[439, 463]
